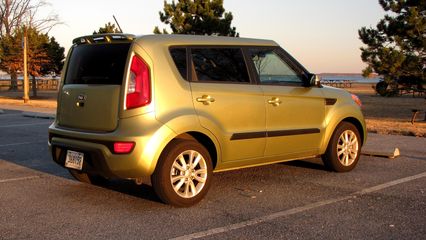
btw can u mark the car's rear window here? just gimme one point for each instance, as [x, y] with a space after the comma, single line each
[97, 64]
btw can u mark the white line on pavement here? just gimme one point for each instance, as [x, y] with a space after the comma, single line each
[18, 179]
[26, 124]
[23, 143]
[292, 211]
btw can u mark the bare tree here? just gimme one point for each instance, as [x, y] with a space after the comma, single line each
[18, 14]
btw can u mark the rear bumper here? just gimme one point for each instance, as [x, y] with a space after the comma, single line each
[99, 157]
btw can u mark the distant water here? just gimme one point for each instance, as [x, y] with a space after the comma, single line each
[353, 77]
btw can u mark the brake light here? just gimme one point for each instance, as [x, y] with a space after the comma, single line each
[356, 100]
[123, 147]
[138, 88]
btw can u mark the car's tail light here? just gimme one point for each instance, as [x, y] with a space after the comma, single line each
[123, 147]
[356, 100]
[138, 88]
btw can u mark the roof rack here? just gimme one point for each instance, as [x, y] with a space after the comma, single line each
[103, 38]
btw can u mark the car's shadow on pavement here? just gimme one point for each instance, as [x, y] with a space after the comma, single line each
[315, 165]
[128, 187]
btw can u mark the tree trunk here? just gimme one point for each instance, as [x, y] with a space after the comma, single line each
[34, 86]
[13, 81]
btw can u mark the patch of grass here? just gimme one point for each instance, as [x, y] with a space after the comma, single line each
[391, 115]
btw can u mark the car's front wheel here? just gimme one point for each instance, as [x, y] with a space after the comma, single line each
[344, 148]
[183, 174]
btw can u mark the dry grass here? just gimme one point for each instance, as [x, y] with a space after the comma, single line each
[33, 103]
[43, 100]
[391, 115]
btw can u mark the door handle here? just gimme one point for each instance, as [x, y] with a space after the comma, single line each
[275, 101]
[205, 99]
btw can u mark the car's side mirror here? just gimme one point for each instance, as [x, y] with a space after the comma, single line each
[314, 80]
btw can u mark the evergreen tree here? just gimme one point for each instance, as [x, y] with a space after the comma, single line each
[56, 56]
[13, 52]
[14, 14]
[37, 56]
[396, 48]
[197, 17]
[108, 28]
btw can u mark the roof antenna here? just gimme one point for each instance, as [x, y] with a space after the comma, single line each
[121, 31]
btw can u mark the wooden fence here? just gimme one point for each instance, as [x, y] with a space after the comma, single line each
[42, 84]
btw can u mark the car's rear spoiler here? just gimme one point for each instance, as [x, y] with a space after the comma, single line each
[103, 38]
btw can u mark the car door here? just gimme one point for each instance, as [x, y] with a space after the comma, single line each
[227, 103]
[294, 113]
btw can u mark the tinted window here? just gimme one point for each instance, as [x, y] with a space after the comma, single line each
[179, 57]
[272, 69]
[97, 64]
[219, 64]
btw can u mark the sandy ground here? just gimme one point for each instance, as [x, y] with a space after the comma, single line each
[384, 115]
[44, 99]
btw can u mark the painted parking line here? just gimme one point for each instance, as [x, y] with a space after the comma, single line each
[292, 211]
[23, 143]
[18, 179]
[26, 124]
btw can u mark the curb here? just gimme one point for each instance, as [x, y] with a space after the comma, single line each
[38, 115]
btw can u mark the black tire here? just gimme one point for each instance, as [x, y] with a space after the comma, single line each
[87, 178]
[349, 155]
[166, 170]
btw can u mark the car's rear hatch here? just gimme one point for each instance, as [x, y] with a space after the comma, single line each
[95, 72]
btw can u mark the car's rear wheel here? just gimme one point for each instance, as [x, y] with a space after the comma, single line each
[344, 148]
[87, 178]
[183, 174]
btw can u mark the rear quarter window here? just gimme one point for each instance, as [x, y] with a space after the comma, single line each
[179, 58]
[97, 64]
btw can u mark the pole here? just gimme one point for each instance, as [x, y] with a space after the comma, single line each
[118, 25]
[26, 82]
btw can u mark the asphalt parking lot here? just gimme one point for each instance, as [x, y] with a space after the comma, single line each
[380, 199]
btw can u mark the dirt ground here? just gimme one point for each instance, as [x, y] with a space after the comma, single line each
[391, 115]
[44, 99]
[384, 115]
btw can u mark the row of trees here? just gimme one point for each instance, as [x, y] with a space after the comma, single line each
[395, 49]
[18, 18]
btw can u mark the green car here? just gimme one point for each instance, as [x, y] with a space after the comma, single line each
[176, 108]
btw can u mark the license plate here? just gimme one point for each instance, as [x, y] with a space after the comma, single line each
[74, 160]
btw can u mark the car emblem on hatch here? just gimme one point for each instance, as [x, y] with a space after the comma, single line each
[81, 97]
[80, 100]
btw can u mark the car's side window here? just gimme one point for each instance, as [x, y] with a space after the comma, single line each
[179, 57]
[272, 69]
[219, 64]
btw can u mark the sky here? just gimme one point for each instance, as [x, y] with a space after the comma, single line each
[321, 34]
